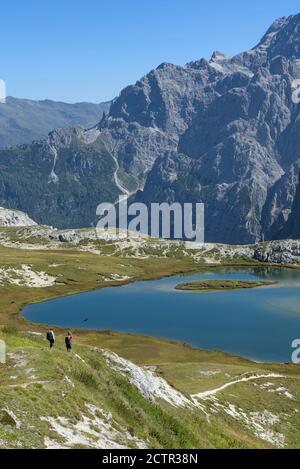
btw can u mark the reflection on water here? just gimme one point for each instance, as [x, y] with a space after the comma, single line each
[257, 323]
[286, 306]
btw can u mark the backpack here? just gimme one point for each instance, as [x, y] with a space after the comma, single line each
[49, 335]
[67, 341]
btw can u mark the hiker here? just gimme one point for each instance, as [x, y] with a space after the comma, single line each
[68, 342]
[50, 337]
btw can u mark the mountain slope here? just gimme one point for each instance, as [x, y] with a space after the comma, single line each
[25, 120]
[95, 398]
[59, 181]
[224, 132]
[240, 155]
[121, 389]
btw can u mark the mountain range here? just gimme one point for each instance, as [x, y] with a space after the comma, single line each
[224, 131]
[25, 120]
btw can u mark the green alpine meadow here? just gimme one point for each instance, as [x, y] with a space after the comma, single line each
[122, 390]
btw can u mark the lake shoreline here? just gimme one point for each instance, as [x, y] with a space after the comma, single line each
[110, 324]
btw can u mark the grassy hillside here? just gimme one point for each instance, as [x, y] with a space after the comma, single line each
[127, 390]
[55, 399]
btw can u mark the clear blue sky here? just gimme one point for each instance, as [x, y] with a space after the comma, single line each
[88, 50]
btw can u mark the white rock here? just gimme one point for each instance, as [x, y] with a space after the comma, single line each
[14, 218]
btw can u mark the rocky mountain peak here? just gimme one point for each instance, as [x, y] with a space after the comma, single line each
[216, 56]
[282, 38]
[224, 131]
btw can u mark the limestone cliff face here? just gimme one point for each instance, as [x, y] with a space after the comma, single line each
[240, 153]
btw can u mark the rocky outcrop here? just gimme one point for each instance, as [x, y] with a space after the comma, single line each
[279, 252]
[14, 218]
[138, 245]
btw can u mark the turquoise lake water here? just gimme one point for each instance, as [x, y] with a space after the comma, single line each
[255, 323]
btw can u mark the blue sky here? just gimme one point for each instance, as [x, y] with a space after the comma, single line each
[88, 50]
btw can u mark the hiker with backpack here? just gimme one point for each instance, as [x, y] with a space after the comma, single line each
[50, 337]
[68, 342]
